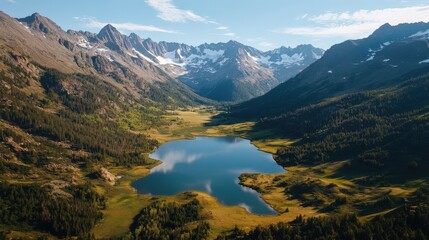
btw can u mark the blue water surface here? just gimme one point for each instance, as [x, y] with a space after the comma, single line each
[211, 165]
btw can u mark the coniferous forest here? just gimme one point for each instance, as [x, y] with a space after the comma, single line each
[380, 131]
[69, 206]
[170, 221]
[84, 117]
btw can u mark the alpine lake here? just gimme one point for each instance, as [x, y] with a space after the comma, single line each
[211, 165]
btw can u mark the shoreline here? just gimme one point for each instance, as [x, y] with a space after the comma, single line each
[239, 182]
[123, 197]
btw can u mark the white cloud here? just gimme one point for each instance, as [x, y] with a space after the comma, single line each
[229, 34]
[167, 11]
[357, 24]
[349, 31]
[222, 28]
[12, 1]
[390, 15]
[93, 23]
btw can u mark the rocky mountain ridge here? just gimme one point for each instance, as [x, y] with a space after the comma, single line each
[221, 71]
[384, 59]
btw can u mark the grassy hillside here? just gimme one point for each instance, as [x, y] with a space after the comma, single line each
[57, 131]
[407, 222]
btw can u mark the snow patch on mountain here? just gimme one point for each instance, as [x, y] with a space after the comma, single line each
[421, 34]
[172, 57]
[288, 60]
[223, 61]
[142, 56]
[424, 61]
[26, 28]
[167, 61]
[110, 58]
[285, 59]
[132, 55]
[83, 43]
[316, 56]
[213, 55]
[264, 60]
[100, 51]
[194, 60]
[373, 52]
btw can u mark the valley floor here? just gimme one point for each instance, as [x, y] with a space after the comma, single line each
[324, 184]
[124, 203]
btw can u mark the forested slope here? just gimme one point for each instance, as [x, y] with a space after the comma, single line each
[382, 131]
[56, 130]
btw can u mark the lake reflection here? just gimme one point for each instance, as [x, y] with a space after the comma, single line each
[211, 165]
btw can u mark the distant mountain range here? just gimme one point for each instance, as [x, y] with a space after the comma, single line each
[223, 71]
[73, 104]
[229, 71]
[226, 71]
[386, 58]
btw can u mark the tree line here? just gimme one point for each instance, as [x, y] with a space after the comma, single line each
[30, 205]
[164, 221]
[376, 129]
[410, 221]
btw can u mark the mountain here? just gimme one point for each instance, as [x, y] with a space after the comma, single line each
[227, 71]
[230, 72]
[379, 130]
[78, 108]
[107, 55]
[288, 62]
[384, 59]
[372, 131]
[65, 113]
[39, 23]
[113, 39]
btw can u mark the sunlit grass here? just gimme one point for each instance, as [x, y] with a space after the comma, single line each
[124, 203]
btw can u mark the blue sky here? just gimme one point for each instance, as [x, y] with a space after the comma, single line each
[264, 24]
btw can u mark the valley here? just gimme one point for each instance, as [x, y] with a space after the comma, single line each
[124, 200]
[328, 181]
[83, 115]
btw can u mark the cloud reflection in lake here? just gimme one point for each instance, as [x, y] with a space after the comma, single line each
[211, 165]
[171, 158]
